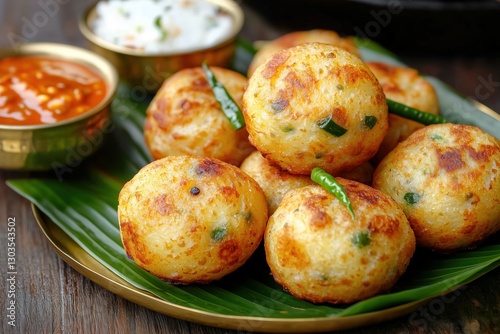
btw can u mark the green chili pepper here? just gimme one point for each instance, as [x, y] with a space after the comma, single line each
[414, 114]
[331, 185]
[331, 127]
[229, 107]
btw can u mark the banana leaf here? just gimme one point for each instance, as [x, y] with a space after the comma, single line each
[83, 203]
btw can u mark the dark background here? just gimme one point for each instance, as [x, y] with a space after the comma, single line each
[459, 46]
[408, 27]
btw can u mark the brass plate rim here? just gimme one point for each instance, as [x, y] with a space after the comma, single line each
[119, 287]
[65, 247]
[486, 110]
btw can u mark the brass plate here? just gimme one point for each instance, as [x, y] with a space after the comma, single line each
[89, 267]
[486, 110]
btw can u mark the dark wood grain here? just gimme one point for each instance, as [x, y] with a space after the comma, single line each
[51, 297]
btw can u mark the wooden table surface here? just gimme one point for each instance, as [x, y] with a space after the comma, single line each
[51, 297]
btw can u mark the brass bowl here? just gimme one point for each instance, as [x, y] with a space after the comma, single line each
[63, 145]
[146, 72]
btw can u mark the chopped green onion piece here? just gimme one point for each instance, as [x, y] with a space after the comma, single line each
[370, 121]
[331, 185]
[123, 12]
[287, 128]
[229, 107]
[361, 239]
[436, 137]
[414, 114]
[218, 233]
[331, 127]
[411, 198]
[247, 216]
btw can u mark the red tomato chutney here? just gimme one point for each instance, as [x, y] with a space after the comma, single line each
[43, 90]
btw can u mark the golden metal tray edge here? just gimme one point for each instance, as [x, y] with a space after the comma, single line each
[85, 264]
[76, 257]
[481, 107]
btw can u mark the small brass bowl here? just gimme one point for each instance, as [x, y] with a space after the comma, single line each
[147, 71]
[63, 145]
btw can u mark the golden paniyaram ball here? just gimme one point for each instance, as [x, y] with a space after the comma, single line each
[294, 94]
[274, 181]
[446, 178]
[300, 37]
[399, 129]
[317, 252]
[363, 173]
[189, 219]
[184, 118]
[404, 85]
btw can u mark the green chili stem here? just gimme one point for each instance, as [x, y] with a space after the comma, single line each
[331, 185]
[229, 107]
[414, 114]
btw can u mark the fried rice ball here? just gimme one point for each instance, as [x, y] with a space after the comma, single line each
[185, 118]
[317, 252]
[189, 219]
[363, 173]
[446, 178]
[399, 129]
[300, 37]
[404, 85]
[275, 182]
[302, 90]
